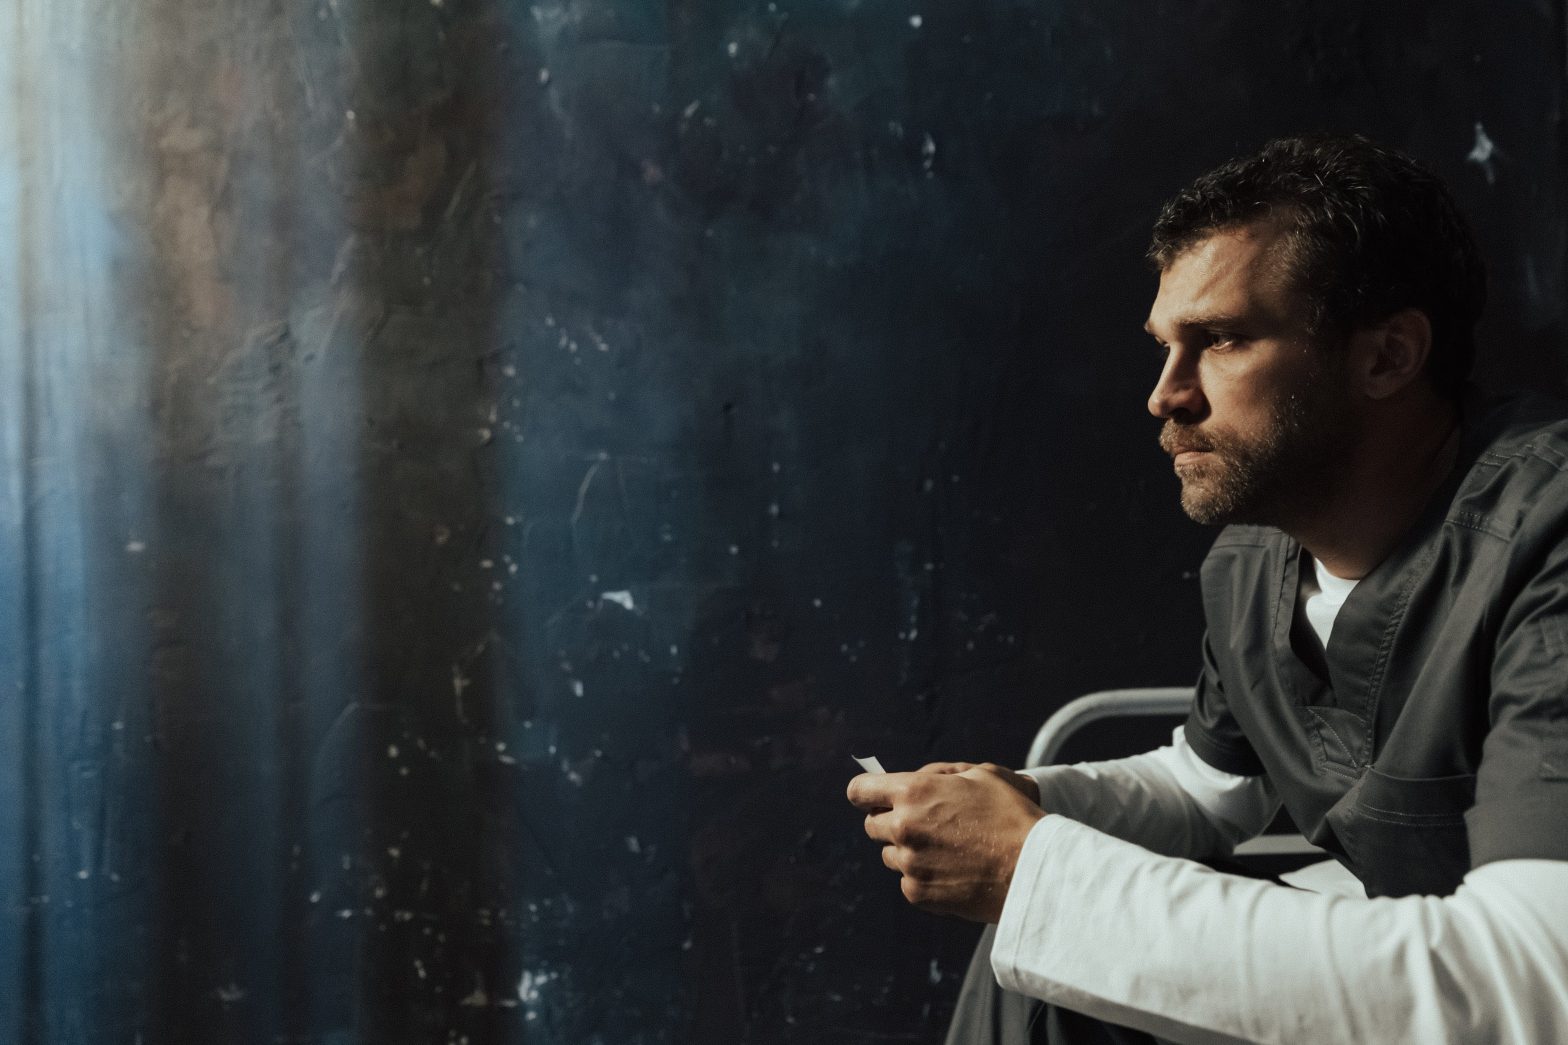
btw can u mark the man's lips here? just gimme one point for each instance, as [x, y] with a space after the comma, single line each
[1185, 454]
[1185, 447]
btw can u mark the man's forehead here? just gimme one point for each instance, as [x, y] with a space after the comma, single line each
[1229, 272]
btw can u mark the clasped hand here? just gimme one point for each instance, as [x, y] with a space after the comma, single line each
[953, 830]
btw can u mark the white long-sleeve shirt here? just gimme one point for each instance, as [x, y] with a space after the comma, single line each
[1098, 920]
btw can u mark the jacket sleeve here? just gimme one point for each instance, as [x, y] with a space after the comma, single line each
[1521, 807]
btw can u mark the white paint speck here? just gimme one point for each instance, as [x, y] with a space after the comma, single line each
[1482, 152]
[529, 986]
[935, 975]
[632, 845]
[915, 21]
[577, 687]
[135, 547]
[544, 75]
[928, 152]
[734, 48]
[620, 598]
[391, 750]
[230, 993]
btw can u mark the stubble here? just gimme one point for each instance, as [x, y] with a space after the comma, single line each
[1266, 477]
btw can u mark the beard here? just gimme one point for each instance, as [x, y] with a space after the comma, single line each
[1265, 477]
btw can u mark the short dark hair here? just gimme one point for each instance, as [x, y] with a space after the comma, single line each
[1372, 232]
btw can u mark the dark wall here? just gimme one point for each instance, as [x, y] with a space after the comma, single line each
[475, 471]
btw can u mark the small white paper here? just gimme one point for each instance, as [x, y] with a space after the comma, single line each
[1328, 878]
[869, 763]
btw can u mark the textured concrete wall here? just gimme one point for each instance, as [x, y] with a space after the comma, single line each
[472, 472]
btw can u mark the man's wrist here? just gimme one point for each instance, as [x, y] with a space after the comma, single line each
[1030, 786]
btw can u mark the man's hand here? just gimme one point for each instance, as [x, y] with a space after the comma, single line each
[1025, 784]
[953, 834]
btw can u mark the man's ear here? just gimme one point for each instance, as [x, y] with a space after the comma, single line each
[1391, 355]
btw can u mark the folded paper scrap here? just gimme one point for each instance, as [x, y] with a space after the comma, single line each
[869, 763]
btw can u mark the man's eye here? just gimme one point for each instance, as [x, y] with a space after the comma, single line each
[1220, 339]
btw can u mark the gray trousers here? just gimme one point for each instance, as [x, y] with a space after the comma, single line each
[988, 1015]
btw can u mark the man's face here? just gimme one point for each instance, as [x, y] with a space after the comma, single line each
[1257, 413]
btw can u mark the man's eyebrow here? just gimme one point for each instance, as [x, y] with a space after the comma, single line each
[1204, 320]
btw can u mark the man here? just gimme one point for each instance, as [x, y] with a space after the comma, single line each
[1386, 654]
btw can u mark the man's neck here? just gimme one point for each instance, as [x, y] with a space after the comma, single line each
[1404, 458]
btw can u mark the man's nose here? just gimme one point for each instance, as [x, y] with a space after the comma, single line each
[1178, 390]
